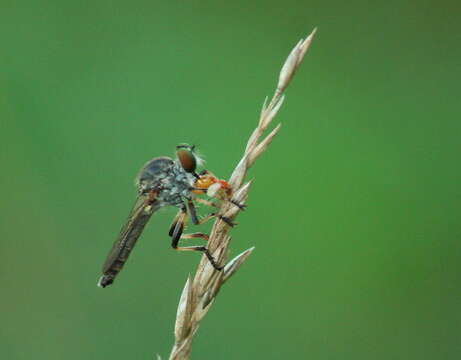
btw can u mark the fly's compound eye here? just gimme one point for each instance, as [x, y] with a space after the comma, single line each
[187, 158]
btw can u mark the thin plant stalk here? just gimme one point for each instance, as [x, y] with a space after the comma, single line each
[201, 289]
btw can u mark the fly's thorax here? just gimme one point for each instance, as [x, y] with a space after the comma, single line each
[175, 186]
[183, 179]
[153, 173]
[168, 178]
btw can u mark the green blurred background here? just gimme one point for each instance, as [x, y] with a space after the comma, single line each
[355, 207]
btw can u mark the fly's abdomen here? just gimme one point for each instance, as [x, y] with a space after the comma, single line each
[126, 240]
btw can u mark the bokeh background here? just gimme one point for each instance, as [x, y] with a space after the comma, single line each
[355, 207]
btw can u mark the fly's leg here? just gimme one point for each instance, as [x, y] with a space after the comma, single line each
[213, 204]
[226, 220]
[201, 249]
[174, 245]
[176, 230]
[212, 215]
[195, 220]
[178, 224]
[193, 213]
[197, 235]
[206, 202]
[239, 205]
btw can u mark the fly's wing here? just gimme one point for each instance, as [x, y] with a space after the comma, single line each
[126, 240]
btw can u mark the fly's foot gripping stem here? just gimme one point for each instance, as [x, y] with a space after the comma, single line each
[201, 249]
[196, 235]
[227, 220]
[239, 205]
[212, 260]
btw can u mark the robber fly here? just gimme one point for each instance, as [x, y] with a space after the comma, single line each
[163, 181]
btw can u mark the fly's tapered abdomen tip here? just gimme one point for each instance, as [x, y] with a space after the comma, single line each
[105, 281]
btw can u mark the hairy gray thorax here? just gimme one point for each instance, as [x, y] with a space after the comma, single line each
[175, 186]
[168, 178]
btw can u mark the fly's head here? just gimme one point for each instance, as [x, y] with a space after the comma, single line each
[172, 180]
[215, 187]
[206, 181]
[188, 158]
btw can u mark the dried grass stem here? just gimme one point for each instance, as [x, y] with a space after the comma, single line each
[200, 290]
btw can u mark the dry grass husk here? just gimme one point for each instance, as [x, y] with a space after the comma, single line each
[201, 289]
